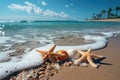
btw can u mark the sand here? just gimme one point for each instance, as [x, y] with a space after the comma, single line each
[107, 20]
[109, 69]
[71, 40]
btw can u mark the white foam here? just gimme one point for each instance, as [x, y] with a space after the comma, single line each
[33, 58]
[29, 60]
[4, 54]
[43, 40]
[19, 36]
[107, 34]
[18, 41]
[4, 39]
[7, 21]
[1, 28]
[3, 25]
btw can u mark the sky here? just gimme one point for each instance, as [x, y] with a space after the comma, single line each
[53, 9]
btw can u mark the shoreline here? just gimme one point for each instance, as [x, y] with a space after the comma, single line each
[109, 69]
[105, 20]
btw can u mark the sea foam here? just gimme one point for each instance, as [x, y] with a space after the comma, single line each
[29, 60]
[4, 39]
[32, 58]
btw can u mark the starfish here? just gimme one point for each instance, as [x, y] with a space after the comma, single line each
[88, 56]
[50, 55]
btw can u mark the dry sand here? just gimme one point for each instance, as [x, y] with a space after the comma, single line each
[107, 20]
[109, 69]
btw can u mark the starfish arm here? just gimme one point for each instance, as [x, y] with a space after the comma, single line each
[42, 52]
[95, 55]
[81, 52]
[84, 56]
[52, 48]
[91, 54]
[91, 61]
[45, 57]
[48, 55]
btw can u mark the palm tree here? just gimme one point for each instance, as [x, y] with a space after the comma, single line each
[117, 9]
[112, 15]
[109, 12]
[103, 13]
[97, 16]
[100, 15]
[93, 16]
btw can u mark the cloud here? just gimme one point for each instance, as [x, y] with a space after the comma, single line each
[68, 5]
[51, 13]
[29, 7]
[16, 6]
[43, 3]
[32, 8]
[63, 15]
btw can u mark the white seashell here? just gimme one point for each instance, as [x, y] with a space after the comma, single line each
[57, 66]
[83, 64]
[72, 53]
[76, 62]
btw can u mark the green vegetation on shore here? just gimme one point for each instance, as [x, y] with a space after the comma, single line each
[111, 13]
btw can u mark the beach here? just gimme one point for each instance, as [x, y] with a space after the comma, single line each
[107, 20]
[19, 42]
[109, 69]
[65, 40]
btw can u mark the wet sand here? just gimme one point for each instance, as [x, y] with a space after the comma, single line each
[109, 69]
[71, 40]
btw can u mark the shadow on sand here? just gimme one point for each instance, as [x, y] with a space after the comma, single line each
[99, 61]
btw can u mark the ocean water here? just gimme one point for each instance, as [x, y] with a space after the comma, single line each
[45, 32]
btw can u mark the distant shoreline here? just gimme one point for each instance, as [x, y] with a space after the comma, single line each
[107, 20]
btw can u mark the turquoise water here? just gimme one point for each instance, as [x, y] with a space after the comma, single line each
[46, 31]
[62, 25]
[15, 27]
